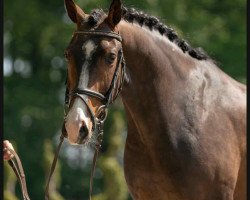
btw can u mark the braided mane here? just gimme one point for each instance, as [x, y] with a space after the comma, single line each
[132, 15]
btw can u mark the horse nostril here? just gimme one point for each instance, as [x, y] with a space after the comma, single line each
[83, 133]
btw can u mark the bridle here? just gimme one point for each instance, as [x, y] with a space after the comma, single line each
[109, 97]
[99, 117]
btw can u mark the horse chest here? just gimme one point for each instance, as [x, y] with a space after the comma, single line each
[144, 180]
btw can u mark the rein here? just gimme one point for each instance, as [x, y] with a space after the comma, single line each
[99, 118]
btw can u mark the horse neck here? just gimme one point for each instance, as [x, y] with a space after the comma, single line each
[163, 84]
[154, 67]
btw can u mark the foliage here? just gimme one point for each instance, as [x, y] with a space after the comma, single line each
[35, 36]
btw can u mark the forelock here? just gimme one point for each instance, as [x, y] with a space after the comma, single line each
[96, 17]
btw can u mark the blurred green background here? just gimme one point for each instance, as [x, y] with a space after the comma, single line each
[35, 36]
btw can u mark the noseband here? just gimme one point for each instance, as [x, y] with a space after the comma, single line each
[99, 117]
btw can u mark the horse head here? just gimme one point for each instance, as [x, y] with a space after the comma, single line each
[95, 69]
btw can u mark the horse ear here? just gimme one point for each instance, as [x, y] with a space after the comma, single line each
[115, 13]
[75, 13]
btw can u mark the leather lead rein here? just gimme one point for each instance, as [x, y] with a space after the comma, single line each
[106, 101]
[96, 120]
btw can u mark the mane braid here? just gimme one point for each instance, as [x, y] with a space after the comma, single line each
[132, 15]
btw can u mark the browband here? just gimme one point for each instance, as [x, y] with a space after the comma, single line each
[101, 33]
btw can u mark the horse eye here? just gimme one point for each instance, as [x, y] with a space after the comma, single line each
[110, 58]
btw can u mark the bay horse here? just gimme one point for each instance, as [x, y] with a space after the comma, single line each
[186, 118]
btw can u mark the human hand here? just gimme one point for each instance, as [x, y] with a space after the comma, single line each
[7, 155]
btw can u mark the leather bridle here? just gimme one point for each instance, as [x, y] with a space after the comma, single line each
[99, 117]
[109, 97]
